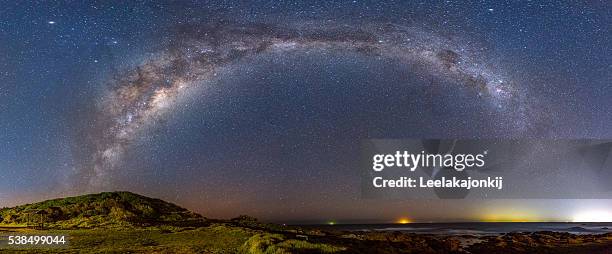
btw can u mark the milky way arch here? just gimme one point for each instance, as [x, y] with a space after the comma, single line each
[149, 90]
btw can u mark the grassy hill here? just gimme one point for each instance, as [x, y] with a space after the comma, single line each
[124, 222]
[107, 209]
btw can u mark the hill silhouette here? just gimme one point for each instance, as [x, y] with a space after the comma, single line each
[107, 209]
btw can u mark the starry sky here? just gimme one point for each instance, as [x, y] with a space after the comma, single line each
[229, 107]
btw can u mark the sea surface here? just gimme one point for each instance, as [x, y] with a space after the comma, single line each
[477, 228]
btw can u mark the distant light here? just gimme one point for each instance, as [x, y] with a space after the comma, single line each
[51, 22]
[593, 216]
[490, 9]
[512, 215]
[403, 221]
[331, 223]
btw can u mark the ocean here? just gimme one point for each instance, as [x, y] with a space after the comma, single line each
[477, 228]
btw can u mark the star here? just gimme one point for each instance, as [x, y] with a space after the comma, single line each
[137, 103]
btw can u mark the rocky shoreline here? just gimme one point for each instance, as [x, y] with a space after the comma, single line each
[516, 242]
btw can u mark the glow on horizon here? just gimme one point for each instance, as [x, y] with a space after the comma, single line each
[403, 220]
[593, 216]
[511, 216]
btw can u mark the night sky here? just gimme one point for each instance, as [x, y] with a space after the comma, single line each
[231, 108]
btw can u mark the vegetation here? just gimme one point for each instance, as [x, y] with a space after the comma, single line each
[278, 244]
[164, 239]
[124, 222]
[107, 209]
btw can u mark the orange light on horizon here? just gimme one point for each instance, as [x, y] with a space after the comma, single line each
[403, 221]
[510, 217]
[506, 213]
